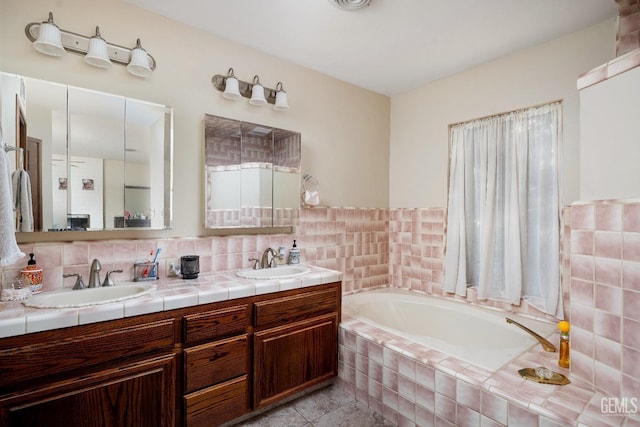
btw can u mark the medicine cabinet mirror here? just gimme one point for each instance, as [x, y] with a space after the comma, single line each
[252, 174]
[96, 161]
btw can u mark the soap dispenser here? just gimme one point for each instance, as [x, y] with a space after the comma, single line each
[294, 254]
[32, 275]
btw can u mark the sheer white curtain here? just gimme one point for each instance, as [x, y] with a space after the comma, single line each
[503, 225]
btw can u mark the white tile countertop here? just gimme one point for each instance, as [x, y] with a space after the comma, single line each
[168, 294]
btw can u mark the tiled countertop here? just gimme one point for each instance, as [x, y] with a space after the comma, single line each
[169, 294]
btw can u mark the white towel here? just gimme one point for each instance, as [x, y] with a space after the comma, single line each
[9, 250]
[22, 199]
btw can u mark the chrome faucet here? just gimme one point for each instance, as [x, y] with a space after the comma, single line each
[94, 274]
[265, 263]
[545, 344]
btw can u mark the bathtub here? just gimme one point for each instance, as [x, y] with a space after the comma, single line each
[473, 334]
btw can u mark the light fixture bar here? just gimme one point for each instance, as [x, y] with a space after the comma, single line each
[218, 81]
[79, 44]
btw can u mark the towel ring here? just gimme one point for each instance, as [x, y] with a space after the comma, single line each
[308, 178]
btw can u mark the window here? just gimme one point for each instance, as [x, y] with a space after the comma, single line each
[503, 225]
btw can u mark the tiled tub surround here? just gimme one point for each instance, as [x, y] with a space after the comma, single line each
[169, 294]
[413, 385]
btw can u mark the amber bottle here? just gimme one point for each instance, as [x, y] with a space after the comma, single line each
[564, 360]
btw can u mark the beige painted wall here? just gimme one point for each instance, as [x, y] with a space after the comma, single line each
[345, 129]
[420, 118]
[609, 126]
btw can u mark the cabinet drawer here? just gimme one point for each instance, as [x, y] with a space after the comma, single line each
[213, 363]
[215, 324]
[59, 353]
[283, 311]
[218, 404]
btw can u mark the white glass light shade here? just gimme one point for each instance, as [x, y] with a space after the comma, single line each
[257, 94]
[231, 89]
[49, 40]
[282, 103]
[139, 64]
[98, 55]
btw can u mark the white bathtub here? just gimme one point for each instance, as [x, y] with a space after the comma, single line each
[470, 333]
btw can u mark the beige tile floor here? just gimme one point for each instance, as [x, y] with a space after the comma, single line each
[327, 407]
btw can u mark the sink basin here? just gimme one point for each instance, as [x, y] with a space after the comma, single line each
[87, 297]
[273, 273]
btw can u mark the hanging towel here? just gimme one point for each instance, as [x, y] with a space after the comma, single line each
[22, 199]
[9, 250]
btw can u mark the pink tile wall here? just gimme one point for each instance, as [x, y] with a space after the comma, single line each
[605, 291]
[417, 256]
[354, 241]
[417, 243]
[628, 32]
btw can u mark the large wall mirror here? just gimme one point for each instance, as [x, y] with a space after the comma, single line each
[252, 174]
[96, 161]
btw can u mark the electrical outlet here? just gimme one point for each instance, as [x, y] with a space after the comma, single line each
[171, 267]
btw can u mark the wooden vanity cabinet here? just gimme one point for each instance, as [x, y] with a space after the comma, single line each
[197, 366]
[295, 343]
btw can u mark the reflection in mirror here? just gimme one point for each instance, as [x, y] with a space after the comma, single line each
[104, 162]
[252, 174]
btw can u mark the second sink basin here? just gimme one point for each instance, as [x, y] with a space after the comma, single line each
[87, 297]
[285, 272]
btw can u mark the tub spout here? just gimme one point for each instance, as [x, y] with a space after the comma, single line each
[545, 344]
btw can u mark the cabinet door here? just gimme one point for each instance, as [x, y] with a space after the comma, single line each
[139, 394]
[289, 359]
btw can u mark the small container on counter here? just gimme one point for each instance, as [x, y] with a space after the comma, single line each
[14, 291]
[190, 266]
[145, 271]
[32, 275]
[294, 254]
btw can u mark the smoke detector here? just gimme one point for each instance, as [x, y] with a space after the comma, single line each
[350, 4]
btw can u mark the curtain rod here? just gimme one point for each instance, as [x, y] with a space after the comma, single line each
[506, 113]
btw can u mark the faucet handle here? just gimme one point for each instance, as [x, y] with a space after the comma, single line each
[108, 281]
[256, 263]
[79, 282]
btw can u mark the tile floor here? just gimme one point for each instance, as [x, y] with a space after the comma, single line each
[327, 407]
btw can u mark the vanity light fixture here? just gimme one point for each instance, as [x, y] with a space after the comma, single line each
[51, 40]
[257, 93]
[231, 87]
[97, 55]
[140, 63]
[234, 89]
[281, 103]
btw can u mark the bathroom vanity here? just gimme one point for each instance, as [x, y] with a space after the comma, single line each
[201, 365]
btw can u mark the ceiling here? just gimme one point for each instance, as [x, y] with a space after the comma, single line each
[390, 46]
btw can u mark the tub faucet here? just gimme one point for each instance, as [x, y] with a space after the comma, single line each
[545, 344]
[94, 274]
[265, 263]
